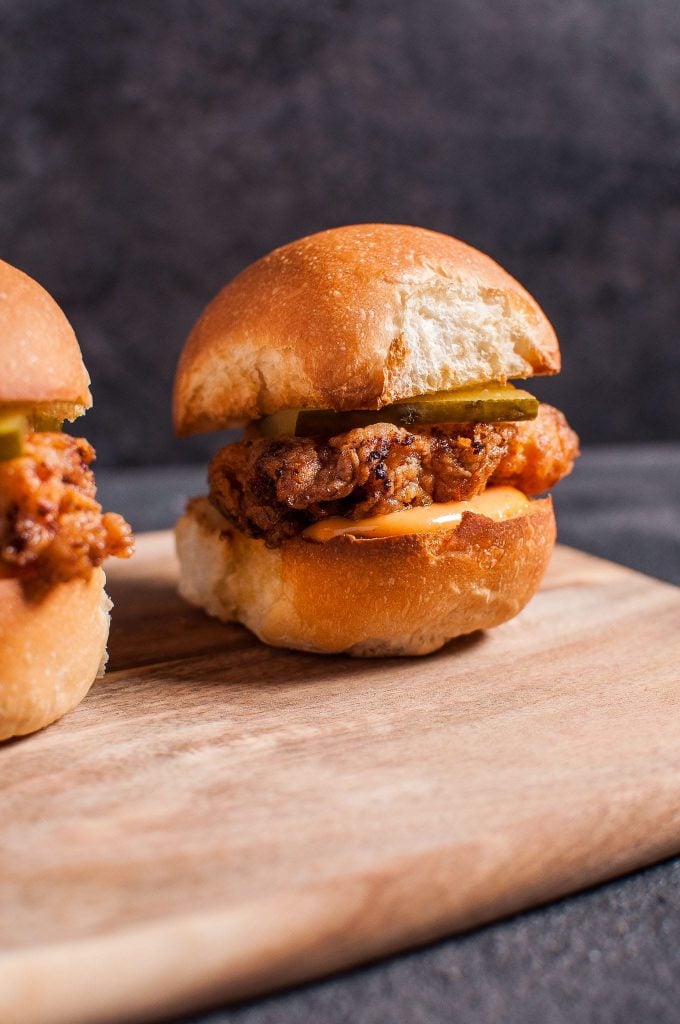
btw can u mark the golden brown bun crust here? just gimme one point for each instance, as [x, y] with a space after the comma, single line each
[357, 317]
[39, 354]
[52, 647]
[398, 595]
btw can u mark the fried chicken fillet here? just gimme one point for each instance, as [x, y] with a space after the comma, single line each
[275, 489]
[51, 525]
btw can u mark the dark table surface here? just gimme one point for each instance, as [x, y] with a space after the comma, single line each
[610, 955]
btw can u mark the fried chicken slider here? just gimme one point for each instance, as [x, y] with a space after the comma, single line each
[383, 498]
[54, 613]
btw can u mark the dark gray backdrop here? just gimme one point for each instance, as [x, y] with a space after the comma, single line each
[151, 149]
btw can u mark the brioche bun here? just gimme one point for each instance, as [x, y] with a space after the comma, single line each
[392, 596]
[52, 648]
[42, 367]
[357, 317]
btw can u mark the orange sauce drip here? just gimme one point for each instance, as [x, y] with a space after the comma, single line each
[495, 503]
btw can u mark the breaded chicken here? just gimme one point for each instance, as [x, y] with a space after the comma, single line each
[539, 452]
[51, 524]
[274, 489]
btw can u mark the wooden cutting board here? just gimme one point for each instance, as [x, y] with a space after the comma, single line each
[220, 818]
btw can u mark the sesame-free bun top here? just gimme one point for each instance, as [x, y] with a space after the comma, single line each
[40, 362]
[357, 317]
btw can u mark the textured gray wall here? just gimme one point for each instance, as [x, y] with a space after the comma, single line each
[151, 149]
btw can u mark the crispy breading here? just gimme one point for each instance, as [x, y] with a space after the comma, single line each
[539, 452]
[51, 524]
[274, 489]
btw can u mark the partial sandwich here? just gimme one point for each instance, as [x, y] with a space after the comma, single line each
[54, 612]
[384, 497]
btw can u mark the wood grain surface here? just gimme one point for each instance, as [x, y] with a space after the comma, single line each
[219, 818]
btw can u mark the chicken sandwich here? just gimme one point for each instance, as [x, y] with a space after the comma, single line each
[54, 620]
[384, 496]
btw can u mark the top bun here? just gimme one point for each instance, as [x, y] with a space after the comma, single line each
[357, 317]
[42, 367]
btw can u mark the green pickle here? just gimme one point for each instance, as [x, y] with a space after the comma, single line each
[12, 432]
[47, 424]
[493, 403]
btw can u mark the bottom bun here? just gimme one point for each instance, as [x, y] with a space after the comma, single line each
[366, 597]
[52, 648]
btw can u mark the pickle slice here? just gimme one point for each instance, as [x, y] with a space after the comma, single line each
[42, 418]
[12, 432]
[492, 403]
[279, 424]
[47, 424]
